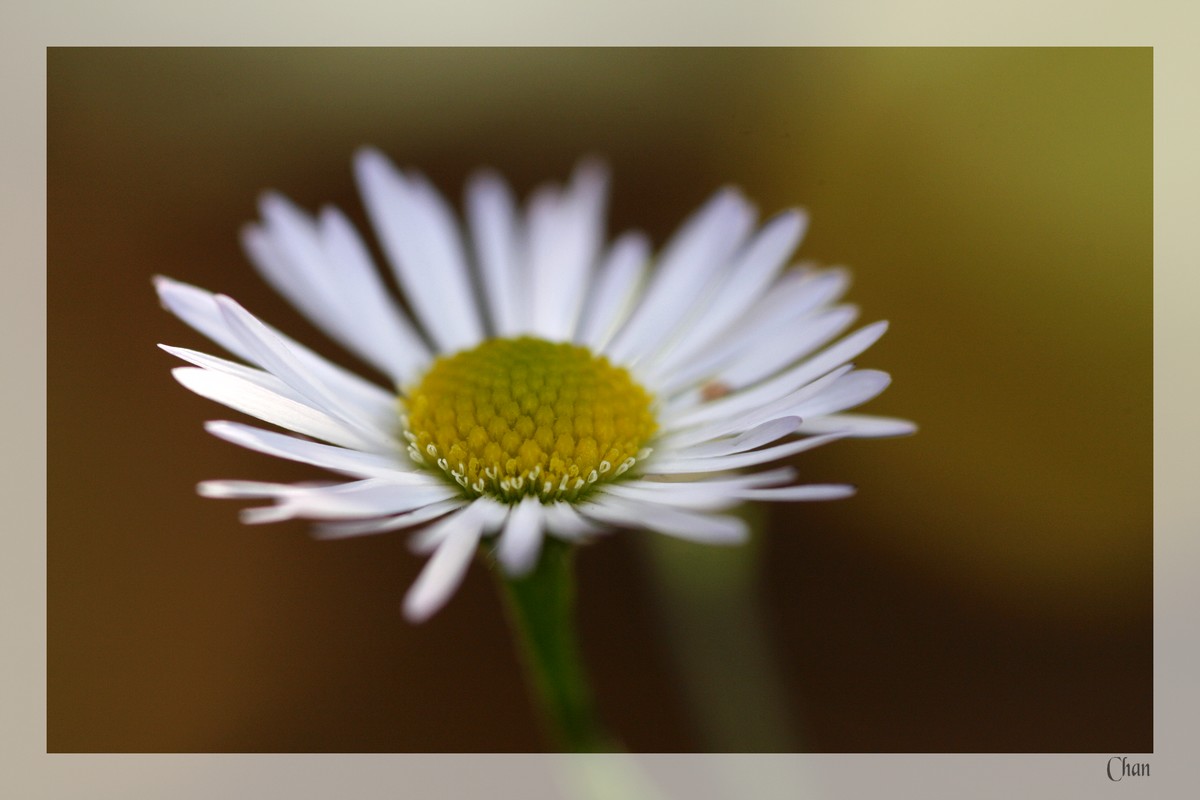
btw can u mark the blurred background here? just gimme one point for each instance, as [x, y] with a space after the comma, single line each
[988, 590]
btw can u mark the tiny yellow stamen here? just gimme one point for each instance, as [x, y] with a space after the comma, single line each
[517, 417]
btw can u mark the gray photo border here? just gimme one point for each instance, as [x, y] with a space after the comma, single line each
[27, 29]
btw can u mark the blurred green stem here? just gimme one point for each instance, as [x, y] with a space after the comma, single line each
[541, 609]
[713, 622]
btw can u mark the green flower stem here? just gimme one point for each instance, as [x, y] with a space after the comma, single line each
[713, 623]
[540, 607]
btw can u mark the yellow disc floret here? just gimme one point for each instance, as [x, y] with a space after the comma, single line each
[518, 417]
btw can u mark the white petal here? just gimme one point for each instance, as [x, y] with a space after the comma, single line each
[564, 522]
[805, 290]
[492, 216]
[287, 253]
[199, 309]
[690, 260]
[564, 233]
[342, 530]
[709, 485]
[273, 354]
[705, 528]
[750, 412]
[848, 391]
[674, 466]
[702, 495]
[373, 497]
[264, 515]
[745, 282]
[812, 491]
[833, 391]
[617, 283]
[244, 490]
[249, 398]
[388, 339]
[521, 542]
[757, 436]
[540, 229]
[422, 242]
[249, 374]
[492, 516]
[339, 459]
[785, 349]
[794, 378]
[445, 570]
[676, 498]
[786, 307]
[860, 425]
[587, 197]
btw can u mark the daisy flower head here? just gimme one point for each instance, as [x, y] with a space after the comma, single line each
[548, 382]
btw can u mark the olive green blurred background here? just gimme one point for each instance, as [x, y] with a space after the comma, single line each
[990, 587]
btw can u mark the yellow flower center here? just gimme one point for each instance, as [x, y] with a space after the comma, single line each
[518, 417]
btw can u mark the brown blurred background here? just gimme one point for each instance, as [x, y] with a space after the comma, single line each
[988, 590]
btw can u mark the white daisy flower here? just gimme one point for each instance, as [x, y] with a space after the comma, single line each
[547, 383]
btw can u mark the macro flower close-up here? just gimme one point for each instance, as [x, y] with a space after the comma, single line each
[622, 400]
[546, 382]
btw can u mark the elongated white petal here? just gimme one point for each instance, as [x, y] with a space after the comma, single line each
[245, 490]
[386, 337]
[585, 215]
[785, 308]
[373, 497]
[829, 359]
[200, 310]
[809, 492]
[841, 389]
[816, 330]
[617, 282]
[288, 253]
[491, 514]
[745, 416]
[249, 374]
[744, 283]
[859, 425]
[708, 485]
[804, 290]
[564, 231]
[781, 352]
[345, 529]
[767, 432]
[564, 522]
[491, 213]
[849, 391]
[521, 541]
[249, 398]
[446, 243]
[676, 497]
[706, 528]
[446, 568]
[421, 240]
[679, 465]
[707, 494]
[273, 354]
[541, 232]
[339, 459]
[265, 515]
[689, 262]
